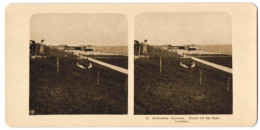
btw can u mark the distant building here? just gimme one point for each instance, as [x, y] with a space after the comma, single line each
[191, 47]
[88, 48]
[171, 47]
[181, 47]
[73, 47]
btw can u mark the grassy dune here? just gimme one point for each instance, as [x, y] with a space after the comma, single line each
[74, 90]
[177, 90]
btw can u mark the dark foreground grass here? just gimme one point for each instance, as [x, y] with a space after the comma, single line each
[220, 60]
[74, 90]
[177, 90]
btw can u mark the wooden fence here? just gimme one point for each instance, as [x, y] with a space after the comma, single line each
[148, 50]
[43, 50]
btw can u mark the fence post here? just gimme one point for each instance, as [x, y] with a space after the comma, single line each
[58, 65]
[160, 64]
[126, 84]
[228, 84]
[200, 76]
[98, 78]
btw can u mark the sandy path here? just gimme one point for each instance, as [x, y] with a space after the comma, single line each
[119, 69]
[220, 67]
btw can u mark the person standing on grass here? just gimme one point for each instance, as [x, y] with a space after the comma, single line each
[145, 47]
[41, 51]
[141, 48]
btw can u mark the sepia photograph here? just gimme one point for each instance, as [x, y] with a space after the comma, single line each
[130, 65]
[183, 63]
[78, 64]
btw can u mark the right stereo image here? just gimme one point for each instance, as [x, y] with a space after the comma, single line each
[183, 63]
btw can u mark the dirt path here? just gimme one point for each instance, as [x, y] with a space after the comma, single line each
[220, 67]
[119, 69]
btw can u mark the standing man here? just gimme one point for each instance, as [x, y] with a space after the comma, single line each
[145, 51]
[41, 51]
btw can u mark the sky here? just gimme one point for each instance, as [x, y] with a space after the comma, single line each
[181, 28]
[79, 29]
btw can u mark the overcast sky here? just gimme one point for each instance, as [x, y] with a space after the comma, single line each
[184, 28]
[79, 29]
